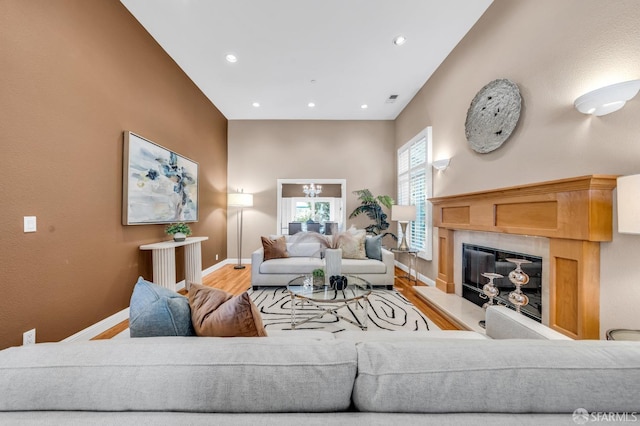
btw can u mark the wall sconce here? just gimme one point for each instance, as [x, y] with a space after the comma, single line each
[441, 165]
[607, 99]
[628, 188]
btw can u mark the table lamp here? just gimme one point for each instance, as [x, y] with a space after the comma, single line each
[403, 215]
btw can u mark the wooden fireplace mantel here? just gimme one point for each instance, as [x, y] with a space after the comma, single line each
[575, 214]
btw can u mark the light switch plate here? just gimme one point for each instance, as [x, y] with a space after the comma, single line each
[29, 224]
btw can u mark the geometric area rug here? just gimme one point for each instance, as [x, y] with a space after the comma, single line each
[387, 310]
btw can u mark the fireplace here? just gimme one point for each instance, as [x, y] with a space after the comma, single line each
[477, 260]
[573, 214]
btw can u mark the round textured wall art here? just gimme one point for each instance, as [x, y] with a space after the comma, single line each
[492, 115]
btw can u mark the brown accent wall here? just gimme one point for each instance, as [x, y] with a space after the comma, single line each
[74, 74]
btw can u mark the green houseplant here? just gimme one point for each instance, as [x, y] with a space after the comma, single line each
[372, 207]
[180, 231]
[318, 277]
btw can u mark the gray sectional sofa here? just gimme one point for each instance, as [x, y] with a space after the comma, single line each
[317, 378]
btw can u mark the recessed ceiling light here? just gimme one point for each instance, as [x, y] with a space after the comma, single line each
[311, 104]
[364, 106]
[399, 40]
[231, 58]
[256, 104]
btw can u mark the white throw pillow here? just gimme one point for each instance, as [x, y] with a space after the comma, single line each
[304, 249]
[354, 249]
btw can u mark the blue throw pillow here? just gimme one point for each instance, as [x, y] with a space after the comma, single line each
[158, 311]
[373, 247]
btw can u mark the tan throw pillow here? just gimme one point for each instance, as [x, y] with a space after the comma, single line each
[216, 313]
[274, 249]
[353, 248]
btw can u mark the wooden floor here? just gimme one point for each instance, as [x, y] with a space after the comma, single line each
[237, 281]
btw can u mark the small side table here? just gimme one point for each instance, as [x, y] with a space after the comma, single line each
[413, 257]
[622, 334]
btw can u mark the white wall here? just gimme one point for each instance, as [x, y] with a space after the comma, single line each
[260, 152]
[555, 52]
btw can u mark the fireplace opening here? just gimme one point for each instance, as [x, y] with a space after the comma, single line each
[477, 260]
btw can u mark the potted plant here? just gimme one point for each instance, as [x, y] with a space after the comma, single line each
[180, 231]
[372, 207]
[318, 277]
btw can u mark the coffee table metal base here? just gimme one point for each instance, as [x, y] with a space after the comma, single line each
[331, 309]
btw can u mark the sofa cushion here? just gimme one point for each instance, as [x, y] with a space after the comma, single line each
[158, 311]
[366, 266]
[186, 374]
[308, 249]
[274, 249]
[216, 313]
[302, 334]
[353, 248]
[406, 336]
[291, 265]
[373, 247]
[513, 376]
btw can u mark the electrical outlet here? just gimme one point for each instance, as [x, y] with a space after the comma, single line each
[29, 337]
[216, 257]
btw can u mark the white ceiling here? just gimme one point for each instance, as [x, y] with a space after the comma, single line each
[338, 54]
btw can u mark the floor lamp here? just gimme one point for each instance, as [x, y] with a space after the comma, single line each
[403, 214]
[240, 200]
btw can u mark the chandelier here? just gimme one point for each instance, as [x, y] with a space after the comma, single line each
[312, 190]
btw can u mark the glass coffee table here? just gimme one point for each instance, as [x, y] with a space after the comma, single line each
[327, 300]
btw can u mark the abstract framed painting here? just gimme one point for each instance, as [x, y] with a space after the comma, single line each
[159, 186]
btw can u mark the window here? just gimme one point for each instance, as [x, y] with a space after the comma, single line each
[414, 188]
[303, 209]
[318, 210]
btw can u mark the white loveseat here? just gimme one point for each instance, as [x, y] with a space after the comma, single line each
[305, 257]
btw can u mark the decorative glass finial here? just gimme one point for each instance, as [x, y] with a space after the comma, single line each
[519, 278]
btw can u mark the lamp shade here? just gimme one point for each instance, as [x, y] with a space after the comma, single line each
[629, 204]
[403, 213]
[240, 199]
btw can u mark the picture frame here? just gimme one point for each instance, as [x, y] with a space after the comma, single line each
[159, 186]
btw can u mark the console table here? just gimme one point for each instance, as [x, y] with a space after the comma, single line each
[164, 261]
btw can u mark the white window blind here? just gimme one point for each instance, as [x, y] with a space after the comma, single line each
[415, 187]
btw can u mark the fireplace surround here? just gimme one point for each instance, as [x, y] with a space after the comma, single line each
[574, 214]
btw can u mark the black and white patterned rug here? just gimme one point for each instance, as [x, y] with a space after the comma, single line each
[387, 310]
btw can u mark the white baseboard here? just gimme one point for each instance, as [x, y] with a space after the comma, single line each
[234, 261]
[115, 319]
[99, 327]
[421, 278]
